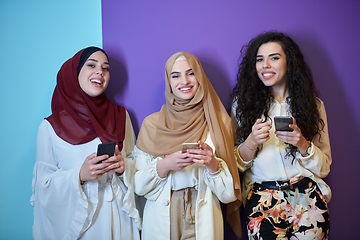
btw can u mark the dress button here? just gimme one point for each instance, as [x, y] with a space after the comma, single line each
[166, 202]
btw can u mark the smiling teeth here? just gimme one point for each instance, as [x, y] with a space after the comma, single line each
[184, 89]
[268, 74]
[96, 81]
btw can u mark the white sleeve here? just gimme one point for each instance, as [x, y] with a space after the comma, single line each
[221, 183]
[241, 164]
[148, 183]
[124, 184]
[319, 159]
[60, 205]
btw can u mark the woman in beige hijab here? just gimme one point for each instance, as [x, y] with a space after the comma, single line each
[183, 188]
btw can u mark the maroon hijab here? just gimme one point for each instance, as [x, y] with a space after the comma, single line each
[78, 118]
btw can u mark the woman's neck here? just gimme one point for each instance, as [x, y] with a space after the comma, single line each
[280, 94]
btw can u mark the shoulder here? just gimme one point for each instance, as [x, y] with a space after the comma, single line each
[320, 103]
[152, 119]
[45, 126]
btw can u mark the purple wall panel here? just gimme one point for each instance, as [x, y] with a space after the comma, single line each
[140, 36]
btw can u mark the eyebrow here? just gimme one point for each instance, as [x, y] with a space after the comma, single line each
[90, 59]
[270, 55]
[190, 69]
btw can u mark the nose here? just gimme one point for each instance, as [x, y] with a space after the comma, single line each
[266, 63]
[185, 80]
[100, 72]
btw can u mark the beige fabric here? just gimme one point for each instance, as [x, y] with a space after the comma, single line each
[182, 214]
[178, 121]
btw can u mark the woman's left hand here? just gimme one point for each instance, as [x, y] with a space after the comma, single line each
[294, 138]
[117, 162]
[204, 155]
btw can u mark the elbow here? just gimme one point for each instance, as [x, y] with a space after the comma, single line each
[226, 197]
[324, 173]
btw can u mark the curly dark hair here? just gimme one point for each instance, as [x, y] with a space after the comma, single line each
[253, 98]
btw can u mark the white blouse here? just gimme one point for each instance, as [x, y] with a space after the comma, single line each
[211, 188]
[64, 209]
[271, 164]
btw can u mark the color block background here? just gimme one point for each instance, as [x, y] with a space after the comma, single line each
[139, 36]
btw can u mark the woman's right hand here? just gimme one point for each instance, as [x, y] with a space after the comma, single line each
[260, 132]
[258, 135]
[91, 169]
[173, 162]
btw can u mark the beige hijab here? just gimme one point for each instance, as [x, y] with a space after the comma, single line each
[179, 121]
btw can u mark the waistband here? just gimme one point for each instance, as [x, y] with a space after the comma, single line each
[282, 185]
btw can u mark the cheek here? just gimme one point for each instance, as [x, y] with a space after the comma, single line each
[172, 85]
[258, 68]
[82, 82]
[107, 80]
[195, 82]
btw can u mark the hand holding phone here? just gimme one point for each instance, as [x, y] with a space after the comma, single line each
[186, 146]
[282, 123]
[106, 149]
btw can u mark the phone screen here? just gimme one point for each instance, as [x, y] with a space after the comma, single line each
[106, 148]
[186, 146]
[282, 124]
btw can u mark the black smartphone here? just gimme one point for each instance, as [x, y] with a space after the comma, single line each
[106, 148]
[282, 124]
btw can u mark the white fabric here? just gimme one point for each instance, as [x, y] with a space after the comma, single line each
[184, 178]
[63, 209]
[271, 165]
[157, 191]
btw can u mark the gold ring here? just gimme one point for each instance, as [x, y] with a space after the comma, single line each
[118, 165]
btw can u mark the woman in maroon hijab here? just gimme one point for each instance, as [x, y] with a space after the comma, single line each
[77, 194]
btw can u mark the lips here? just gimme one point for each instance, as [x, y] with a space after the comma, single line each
[267, 75]
[185, 88]
[97, 82]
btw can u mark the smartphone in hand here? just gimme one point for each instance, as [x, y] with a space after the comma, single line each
[282, 123]
[106, 148]
[186, 146]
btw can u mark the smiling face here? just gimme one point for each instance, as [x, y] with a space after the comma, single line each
[94, 76]
[183, 81]
[271, 65]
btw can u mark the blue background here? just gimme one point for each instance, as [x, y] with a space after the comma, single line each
[36, 38]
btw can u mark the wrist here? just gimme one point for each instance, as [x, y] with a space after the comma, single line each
[218, 169]
[250, 145]
[215, 167]
[81, 181]
[305, 151]
[161, 168]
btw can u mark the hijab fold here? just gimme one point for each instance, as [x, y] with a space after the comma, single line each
[78, 118]
[179, 121]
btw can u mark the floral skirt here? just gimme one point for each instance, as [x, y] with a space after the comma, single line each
[296, 213]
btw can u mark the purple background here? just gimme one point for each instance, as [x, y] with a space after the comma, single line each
[140, 36]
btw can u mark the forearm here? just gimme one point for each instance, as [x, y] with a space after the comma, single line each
[247, 149]
[303, 146]
[162, 168]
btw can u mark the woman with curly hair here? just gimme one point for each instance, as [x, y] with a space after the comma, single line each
[283, 190]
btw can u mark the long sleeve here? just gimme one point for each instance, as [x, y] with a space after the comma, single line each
[241, 164]
[148, 182]
[54, 188]
[221, 183]
[319, 159]
[124, 184]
